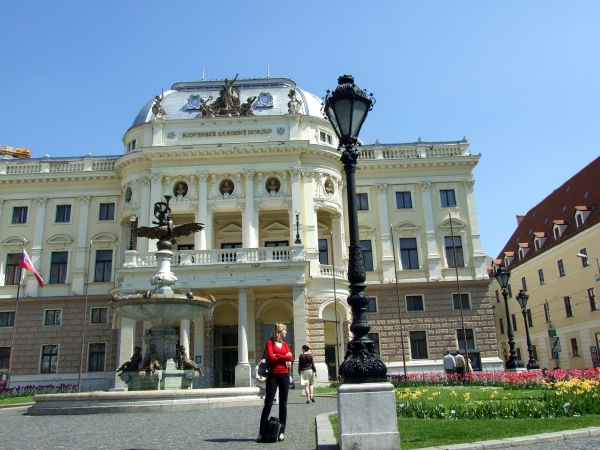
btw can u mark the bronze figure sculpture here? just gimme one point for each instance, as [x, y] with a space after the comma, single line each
[151, 360]
[134, 363]
[184, 363]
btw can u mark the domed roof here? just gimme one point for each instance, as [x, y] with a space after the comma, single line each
[184, 100]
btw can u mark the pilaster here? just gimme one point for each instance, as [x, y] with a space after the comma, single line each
[433, 258]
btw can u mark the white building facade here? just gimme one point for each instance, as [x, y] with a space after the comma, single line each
[269, 188]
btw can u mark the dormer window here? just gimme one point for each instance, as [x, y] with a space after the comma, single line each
[508, 258]
[538, 240]
[523, 249]
[131, 146]
[559, 228]
[325, 137]
[581, 215]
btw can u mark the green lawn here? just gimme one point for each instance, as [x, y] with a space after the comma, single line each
[15, 400]
[420, 433]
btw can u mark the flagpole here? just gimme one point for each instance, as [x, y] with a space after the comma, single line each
[398, 298]
[337, 337]
[12, 338]
[462, 317]
[87, 283]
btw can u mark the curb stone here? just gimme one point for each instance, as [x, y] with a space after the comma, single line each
[16, 405]
[326, 438]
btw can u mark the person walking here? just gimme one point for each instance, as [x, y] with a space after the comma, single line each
[279, 355]
[261, 383]
[449, 363]
[460, 364]
[308, 373]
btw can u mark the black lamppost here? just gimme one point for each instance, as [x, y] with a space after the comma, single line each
[522, 298]
[347, 108]
[132, 219]
[297, 241]
[502, 276]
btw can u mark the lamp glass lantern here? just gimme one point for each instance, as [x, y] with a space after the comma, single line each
[502, 276]
[522, 298]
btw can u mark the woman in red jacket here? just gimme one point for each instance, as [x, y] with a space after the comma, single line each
[280, 358]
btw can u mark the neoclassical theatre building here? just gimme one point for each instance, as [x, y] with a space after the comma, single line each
[255, 161]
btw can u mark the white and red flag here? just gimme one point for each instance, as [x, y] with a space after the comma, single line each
[25, 263]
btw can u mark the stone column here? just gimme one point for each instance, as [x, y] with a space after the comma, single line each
[433, 258]
[309, 214]
[79, 274]
[36, 248]
[296, 202]
[145, 211]
[299, 305]
[387, 257]
[125, 346]
[336, 238]
[202, 214]
[184, 335]
[155, 196]
[242, 369]
[250, 225]
[478, 255]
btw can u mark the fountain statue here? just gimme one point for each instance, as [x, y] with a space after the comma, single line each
[163, 366]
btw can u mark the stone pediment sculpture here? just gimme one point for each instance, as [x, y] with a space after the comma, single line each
[228, 102]
[295, 103]
[165, 232]
[157, 108]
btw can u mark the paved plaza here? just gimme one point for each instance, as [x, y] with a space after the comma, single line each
[227, 428]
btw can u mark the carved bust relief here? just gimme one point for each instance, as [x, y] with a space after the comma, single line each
[128, 195]
[226, 188]
[272, 186]
[180, 189]
[329, 187]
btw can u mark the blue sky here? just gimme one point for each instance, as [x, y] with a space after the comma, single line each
[518, 79]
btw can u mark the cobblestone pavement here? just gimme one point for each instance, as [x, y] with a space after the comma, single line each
[226, 428]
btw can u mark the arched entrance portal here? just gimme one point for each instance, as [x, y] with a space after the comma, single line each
[334, 337]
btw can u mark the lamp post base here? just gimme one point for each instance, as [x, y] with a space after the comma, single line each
[362, 364]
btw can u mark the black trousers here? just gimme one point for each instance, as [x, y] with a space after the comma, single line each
[281, 381]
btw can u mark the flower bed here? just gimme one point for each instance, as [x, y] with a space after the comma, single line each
[30, 390]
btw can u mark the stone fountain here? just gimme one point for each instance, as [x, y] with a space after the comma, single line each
[163, 367]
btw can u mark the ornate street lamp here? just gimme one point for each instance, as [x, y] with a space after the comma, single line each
[347, 108]
[297, 241]
[132, 219]
[522, 298]
[502, 276]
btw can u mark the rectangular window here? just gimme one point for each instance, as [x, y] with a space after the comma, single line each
[529, 318]
[524, 283]
[418, 345]
[63, 213]
[584, 261]
[367, 251]
[568, 309]
[579, 220]
[561, 268]
[372, 305]
[4, 357]
[574, 347]
[99, 315]
[534, 351]
[52, 317]
[323, 253]
[322, 136]
[460, 262]
[447, 197]
[519, 353]
[546, 313]
[541, 276]
[466, 303]
[497, 296]
[362, 202]
[7, 318]
[408, 253]
[592, 299]
[58, 267]
[414, 303]
[97, 357]
[103, 265]
[501, 323]
[11, 277]
[19, 214]
[508, 288]
[461, 341]
[107, 211]
[49, 358]
[514, 322]
[375, 338]
[403, 200]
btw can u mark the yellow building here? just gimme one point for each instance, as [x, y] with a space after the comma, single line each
[256, 180]
[545, 255]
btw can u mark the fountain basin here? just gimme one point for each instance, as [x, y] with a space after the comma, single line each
[161, 307]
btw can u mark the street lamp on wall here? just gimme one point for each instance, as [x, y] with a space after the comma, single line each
[502, 275]
[346, 109]
[587, 257]
[522, 298]
[297, 241]
[132, 219]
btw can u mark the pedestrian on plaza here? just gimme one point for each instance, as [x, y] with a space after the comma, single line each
[279, 356]
[449, 363]
[261, 383]
[308, 373]
[468, 366]
[460, 364]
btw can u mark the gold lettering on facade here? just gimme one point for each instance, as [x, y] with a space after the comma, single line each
[206, 134]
